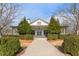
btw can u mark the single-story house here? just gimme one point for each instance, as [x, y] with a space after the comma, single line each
[39, 27]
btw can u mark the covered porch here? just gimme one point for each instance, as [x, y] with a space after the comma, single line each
[39, 31]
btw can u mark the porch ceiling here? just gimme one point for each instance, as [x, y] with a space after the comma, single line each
[39, 27]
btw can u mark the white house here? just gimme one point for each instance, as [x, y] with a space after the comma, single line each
[39, 28]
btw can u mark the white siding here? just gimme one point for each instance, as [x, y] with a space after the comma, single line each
[39, 23]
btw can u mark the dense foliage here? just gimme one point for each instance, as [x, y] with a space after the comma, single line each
[9, 46]
[71, 45]
[53, 27]
[52, 36]
[24, 27]
[26, 37]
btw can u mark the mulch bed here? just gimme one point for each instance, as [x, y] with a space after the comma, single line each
[57, 42]
[25, 43]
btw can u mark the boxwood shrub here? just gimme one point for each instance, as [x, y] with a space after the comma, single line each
[71, 45]
[9, 46]
[63, 36]
[26, 37]
[52, 36]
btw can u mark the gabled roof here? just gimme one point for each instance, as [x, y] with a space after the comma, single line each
[39, 19]
[43, 21]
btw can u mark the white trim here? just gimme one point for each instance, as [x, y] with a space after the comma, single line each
[42, 32]
[64, 30]
[36, 23]
[35, 32]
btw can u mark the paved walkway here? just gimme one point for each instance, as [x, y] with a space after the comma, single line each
[40, 47]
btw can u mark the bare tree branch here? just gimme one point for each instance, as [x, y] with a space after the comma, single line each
[72, 16]
[8, 12]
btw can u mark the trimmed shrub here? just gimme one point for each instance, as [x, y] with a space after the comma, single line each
[15, 36]
[26, 37]
[52, 36]
[71, 45]
[9, 46]
[29, 37]
[63, 36]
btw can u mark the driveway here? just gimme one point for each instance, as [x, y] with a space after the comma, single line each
[41, 47]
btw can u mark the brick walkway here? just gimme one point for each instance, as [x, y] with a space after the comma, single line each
[41, 47]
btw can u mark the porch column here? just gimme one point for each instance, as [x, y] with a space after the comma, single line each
[42, 32]
[35, 32]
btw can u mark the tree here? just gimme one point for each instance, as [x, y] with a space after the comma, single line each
[54, 26]
[24, 27]
[8, 12]
[75, 13]
[72, 16]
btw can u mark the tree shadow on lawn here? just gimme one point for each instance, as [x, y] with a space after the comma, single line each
[21, 51]
[60, 48]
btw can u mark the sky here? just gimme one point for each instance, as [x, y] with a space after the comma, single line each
[33, 11]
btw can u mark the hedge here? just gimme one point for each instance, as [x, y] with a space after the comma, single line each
[9, 46]
[71, 45]
[63, 36]
[52, 36]
[26, 37]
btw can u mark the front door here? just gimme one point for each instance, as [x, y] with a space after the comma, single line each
[39, 32]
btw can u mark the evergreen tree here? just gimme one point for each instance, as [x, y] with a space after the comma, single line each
[53, 27]
[24, 27]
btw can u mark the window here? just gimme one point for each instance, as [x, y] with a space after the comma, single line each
[39, 23]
